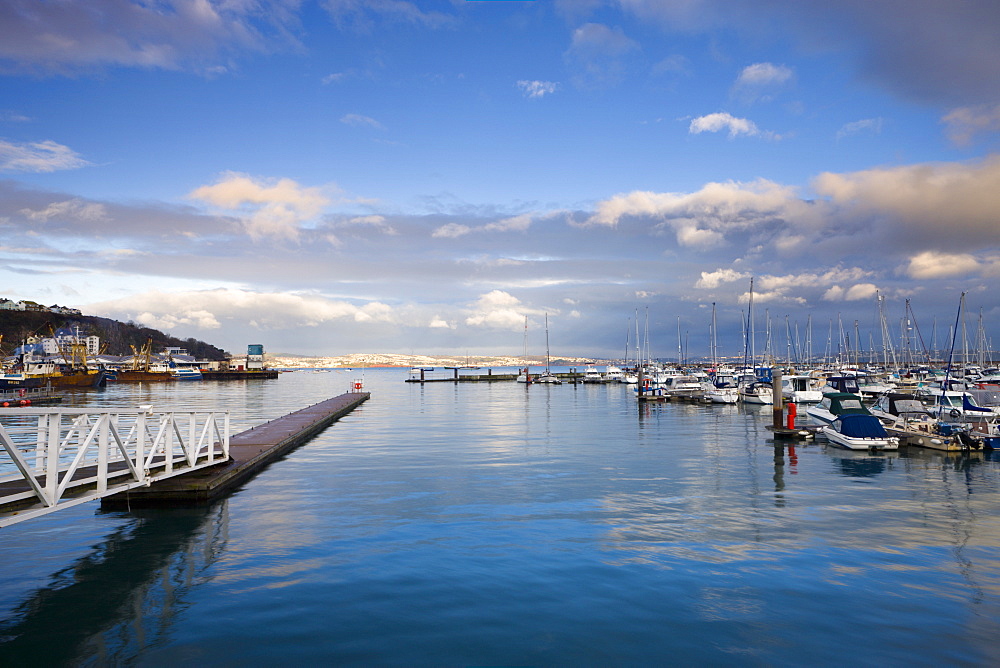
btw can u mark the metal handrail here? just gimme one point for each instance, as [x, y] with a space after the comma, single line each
[68, 455]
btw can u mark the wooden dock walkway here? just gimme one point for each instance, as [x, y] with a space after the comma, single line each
[249, 451]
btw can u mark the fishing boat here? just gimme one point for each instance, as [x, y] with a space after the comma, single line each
[17, 381]
[859, 432]
[143, 370]
[62, 375]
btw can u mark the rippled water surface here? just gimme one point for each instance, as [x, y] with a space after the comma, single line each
[494, 524]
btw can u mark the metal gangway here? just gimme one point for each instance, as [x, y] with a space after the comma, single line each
[55, 458]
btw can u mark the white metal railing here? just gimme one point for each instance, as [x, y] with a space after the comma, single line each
[70, 456]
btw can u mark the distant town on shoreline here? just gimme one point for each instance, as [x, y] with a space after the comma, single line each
[357, 360]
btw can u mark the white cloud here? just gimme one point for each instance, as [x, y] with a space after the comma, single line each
[44, 156]
[599, 55]
[593, 39]
[675, 64]
[274, 208]
[73, 209]
[764, 74]
[357, 120]
[866, 125]
[167, 34]
[933, 264]
[713, 279]
[537, 88]
[371, 221]
[964, 123]
[210, 309]
[362, 14]
[514, 224]
[454, 230]
[497, 310]
[859, 292]
[758, 82]
[168, 321]
[953, 205]
[772, 296]
[792, 288]
[8, 116]
[451, 231]
[705, 217]
[725, 121]
[689, 234]
[810, 279]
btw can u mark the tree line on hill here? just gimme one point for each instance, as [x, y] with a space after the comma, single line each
[117, 338]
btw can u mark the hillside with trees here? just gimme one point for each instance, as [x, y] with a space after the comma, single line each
[117, 338]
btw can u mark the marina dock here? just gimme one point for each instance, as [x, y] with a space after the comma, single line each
[456, 374]
[263, 374]
[250, 451]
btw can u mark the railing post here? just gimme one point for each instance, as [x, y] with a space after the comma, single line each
[102, 454]
[41, 442]
[168, 443]
[192, 440]
[140, 443]
[52, 459]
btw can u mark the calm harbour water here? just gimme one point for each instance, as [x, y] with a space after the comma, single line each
[494, 524]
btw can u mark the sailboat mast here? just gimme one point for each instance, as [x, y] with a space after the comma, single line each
[546, 343]
[715, 346]
[753, 334]
[680, 354]
[628, 329]
[526, 339]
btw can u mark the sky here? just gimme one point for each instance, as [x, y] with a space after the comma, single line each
[338, 176]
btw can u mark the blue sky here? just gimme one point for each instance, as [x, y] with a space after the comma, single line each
[345, 176]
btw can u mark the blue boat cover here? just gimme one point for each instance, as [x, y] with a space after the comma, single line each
[968, 406]
[861, 426]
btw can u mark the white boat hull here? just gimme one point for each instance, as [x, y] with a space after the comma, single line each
[859, 443]
[723, 395]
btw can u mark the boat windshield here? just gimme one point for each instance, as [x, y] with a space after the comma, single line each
[909, 406]
[949, 400]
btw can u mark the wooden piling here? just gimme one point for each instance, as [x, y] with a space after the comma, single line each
[777, 420]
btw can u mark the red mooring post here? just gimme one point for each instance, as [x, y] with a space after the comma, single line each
[792, 411]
